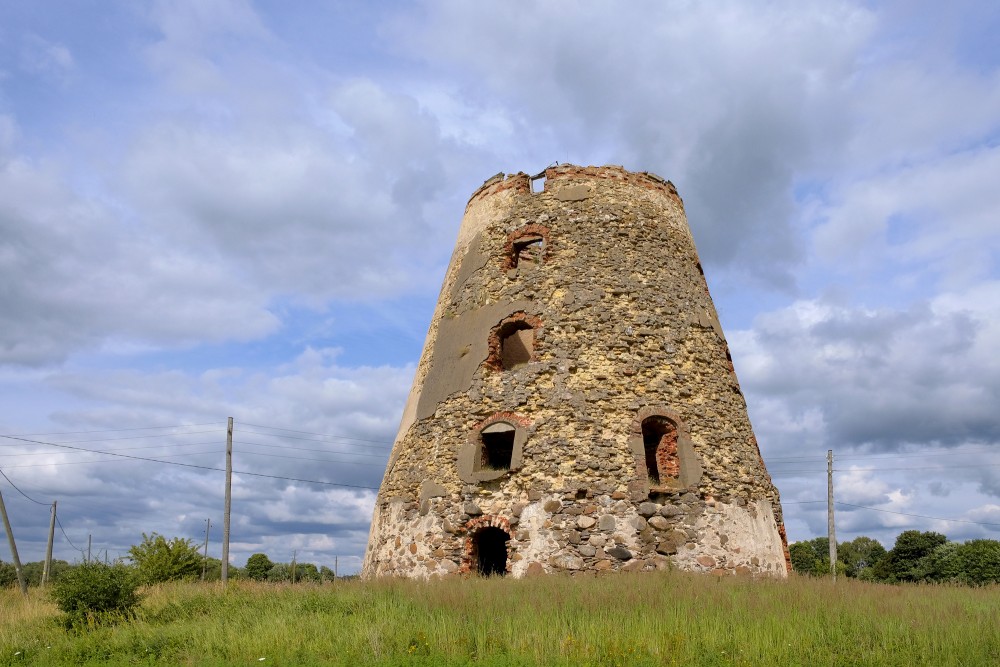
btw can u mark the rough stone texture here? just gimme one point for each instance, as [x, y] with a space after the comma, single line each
[599, 276]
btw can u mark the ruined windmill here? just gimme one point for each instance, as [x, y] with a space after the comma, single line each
[575, 407]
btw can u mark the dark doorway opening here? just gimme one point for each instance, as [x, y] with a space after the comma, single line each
[491, 552]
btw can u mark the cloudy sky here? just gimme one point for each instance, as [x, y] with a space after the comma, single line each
[214, 208]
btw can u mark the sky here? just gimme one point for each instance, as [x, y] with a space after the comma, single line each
[226, 208]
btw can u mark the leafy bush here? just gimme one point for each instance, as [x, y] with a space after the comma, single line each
[158, 559]
[93, 592]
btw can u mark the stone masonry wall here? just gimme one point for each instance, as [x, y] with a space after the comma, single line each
[623, 328]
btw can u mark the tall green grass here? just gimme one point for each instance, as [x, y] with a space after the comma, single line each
[647, 619]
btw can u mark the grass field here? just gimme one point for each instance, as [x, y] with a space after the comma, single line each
[644, 619]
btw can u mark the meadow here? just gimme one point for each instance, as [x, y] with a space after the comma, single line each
[668, 618]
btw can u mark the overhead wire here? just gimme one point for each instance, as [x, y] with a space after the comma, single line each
[116, 430]
[63, 531]
[919, 516]
[37, 502]
[200, 467]
[119, 449]
[307, 449]
[324, 435]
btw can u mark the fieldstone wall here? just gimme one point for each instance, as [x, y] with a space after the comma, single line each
[622, 328]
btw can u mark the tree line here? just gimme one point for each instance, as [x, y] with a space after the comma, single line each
[157, 559]
[917, 556]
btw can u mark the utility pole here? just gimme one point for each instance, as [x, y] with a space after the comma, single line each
[204, 558]
[13, 549]
[47, 570]
[335, 569]
[294, 554]
[90, 539]
[831, 534]
[229, 502]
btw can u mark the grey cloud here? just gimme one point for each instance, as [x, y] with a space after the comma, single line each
[118, 501]
[880, 378]
[728, 101]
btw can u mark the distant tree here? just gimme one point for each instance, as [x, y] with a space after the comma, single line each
[978, 562]
[279, 572]
[811, 557]
[860, 555]
[326, 574]
[8, 575]
[307, 572]
[904, 561]
[258, 565]
[158, 559]
[939, 566]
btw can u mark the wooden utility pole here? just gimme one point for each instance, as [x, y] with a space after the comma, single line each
[831, 533]
[13, 549]
[90, 540]
[47, 570]
[204, 558]
[229, 503]
[294, 554]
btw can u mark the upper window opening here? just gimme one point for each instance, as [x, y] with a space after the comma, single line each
[517, 340]
[659, 439]
[528, 251]
[497, 446]
[538, 183]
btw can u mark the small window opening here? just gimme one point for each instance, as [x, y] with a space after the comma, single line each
[659, 439]
[497, 446]
[538, 183]
[528, 251]
[490, 546]
[517, 341]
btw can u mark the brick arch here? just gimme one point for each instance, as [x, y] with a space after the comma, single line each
[503, 416]
[676, 461]
[473, 526]
[658, 411]
[532, 229]
[518, 320]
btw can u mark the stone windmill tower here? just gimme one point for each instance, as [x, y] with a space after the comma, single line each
[575, 407]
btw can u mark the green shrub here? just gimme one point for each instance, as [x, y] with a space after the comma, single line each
[91, 593]
[159, 559]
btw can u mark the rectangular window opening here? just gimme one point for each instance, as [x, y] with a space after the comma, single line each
[498, 449]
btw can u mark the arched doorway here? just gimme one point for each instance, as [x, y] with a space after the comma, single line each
[490, 551]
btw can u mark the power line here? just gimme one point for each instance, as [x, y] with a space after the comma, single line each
[37, 502]
[114, 430]
[116, 460]
[63, 531]
[307, 449]
[906, 455]
[304, 458]
[919, 516]
[325, 435]
[131, 437]
[200, 467]
[971, 465]
[119, 449]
